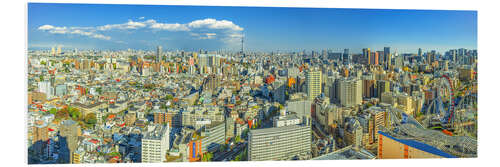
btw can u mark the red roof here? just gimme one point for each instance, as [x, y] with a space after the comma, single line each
[94, 141]
[111, 116]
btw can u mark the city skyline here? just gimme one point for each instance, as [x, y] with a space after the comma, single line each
[221, 28]
[159, 84]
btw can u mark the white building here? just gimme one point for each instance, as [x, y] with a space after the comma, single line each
[44, 87]
[155, 144]
[281, 143]
[286, 120]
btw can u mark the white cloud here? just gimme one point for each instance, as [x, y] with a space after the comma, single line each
[223, 30]
[72, 30]
[100, 36]
[46, 27]
[125, 26]
[194, 34]
[215, 24]
[203, 35]
[170, 27]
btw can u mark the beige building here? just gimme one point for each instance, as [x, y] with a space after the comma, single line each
[350, 92]
[313, 82]
[405, 103]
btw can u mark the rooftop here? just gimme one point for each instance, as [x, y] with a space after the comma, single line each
[346, 153]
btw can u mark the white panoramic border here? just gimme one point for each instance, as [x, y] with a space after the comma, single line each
[14, 43]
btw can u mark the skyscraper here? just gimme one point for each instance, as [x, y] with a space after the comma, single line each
[346, 59]
[387, 56]
[313, 81]
[374, 58]
[158, 54]
[366, 55]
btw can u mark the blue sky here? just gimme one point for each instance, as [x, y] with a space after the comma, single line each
[116, 27]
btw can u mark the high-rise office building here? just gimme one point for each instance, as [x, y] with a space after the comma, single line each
[313, 82]
[366, 55]
[158, 54]
[350, 92]
[280, 143]
[155, 144]
[369, 88]
[346, 58]
[387, 56]
[381, 58]
[374, 58]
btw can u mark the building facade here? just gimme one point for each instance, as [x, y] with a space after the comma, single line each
[155, 144]
[313, 82]
[279, 143]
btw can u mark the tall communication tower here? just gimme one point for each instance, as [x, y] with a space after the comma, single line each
[242, 44]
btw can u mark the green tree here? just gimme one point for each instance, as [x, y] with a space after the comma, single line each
[62, 114]
[237, 139]
[245, 132]
[74, 113]
[112, 154]
[207, 157]
[369, 105]
[169, 97]
[244, 155]
[99, 90]
[223, 147]
[53, 111]
[163, 106]
[90, 119]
